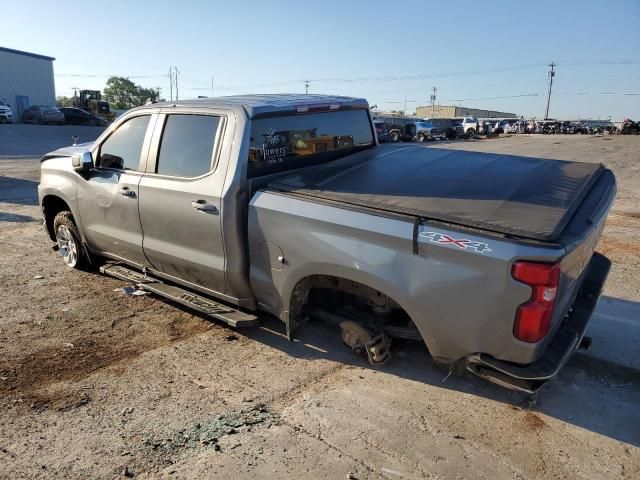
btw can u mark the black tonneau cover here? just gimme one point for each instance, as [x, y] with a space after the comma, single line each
[527, 197]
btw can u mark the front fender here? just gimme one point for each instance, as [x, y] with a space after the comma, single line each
[57, 179]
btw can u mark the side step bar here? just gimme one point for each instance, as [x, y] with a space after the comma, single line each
[229, 315]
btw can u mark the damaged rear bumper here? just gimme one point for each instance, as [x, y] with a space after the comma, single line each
[529, 378]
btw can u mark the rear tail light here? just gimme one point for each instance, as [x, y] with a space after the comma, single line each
[533, 318]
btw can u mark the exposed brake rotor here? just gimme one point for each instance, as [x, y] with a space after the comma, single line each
[376, 348]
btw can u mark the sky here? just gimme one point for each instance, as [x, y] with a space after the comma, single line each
[492, 57]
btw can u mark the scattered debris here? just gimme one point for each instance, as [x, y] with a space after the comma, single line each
[207, 434]
[68, 345]
[459, 437]
[38, 277]
[232, 337]
[128, 473]
[136, 292]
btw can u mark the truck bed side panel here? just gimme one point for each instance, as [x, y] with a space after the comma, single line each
[462, 301]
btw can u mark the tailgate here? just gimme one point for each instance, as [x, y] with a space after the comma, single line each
[581, 238]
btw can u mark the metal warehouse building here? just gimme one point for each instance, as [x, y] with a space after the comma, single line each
[451, 111]
[26, 79]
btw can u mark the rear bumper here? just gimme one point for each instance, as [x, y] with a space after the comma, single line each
[530, 378]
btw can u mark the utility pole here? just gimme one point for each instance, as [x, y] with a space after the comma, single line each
[433, 99]
[551, 73]
[212, 85]
[176, 76]
[75, 96]
[404, 111]
[171, 83]
[306, 87]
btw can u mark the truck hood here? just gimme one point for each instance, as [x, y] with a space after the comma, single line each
[531, 198]
[68, 151]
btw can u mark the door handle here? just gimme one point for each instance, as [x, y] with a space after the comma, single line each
[126, 192]
[203, 206]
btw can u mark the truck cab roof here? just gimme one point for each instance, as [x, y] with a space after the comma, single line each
[258, 105]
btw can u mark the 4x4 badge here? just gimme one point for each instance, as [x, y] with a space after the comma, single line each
[462, 243]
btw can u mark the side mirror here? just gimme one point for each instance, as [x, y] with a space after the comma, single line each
[82, 162]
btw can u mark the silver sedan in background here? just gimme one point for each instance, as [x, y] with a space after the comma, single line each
[43, 115]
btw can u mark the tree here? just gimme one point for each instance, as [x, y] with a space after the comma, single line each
[63, 101]
[122, 93]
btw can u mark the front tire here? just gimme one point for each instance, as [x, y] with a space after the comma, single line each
[394, 137]
[421, 138]
[471, 133]
[70, 245]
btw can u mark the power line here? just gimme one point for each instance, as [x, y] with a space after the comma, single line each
[102, 75]
[375, 78]
[501, 97]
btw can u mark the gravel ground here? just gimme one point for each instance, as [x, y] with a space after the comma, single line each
[96, 384]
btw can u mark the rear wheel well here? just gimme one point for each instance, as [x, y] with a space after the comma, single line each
[341, 297]
[51, 206]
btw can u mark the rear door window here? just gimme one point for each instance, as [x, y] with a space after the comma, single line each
[122, 149]
[293, 141]
[186, 148]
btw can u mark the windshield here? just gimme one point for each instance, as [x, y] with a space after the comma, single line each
[3, 102]
[294, 141]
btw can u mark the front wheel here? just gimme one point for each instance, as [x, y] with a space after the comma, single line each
[421, 138]
[394, 137]
[70, 246]
[470, 133]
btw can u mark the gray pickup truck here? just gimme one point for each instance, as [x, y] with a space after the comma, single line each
[286, 205]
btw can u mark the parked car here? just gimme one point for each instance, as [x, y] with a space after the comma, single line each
[396, 125]
[285, 204]
[503, 125]
[6, 114]
[41, 115]
[77, 116]
[498, 127]
[421, 131]
[448, 126]
[382, 131]
[470, 126]
[486, 127]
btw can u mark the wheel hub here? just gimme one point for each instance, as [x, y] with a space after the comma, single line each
[67, 246]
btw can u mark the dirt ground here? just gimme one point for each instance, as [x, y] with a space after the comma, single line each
[96, 384]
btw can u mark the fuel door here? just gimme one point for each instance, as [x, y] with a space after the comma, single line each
[272, 255]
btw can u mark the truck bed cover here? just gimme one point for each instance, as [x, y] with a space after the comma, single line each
[531, 198]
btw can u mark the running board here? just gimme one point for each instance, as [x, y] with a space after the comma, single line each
[124, 273]
[229, 315]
